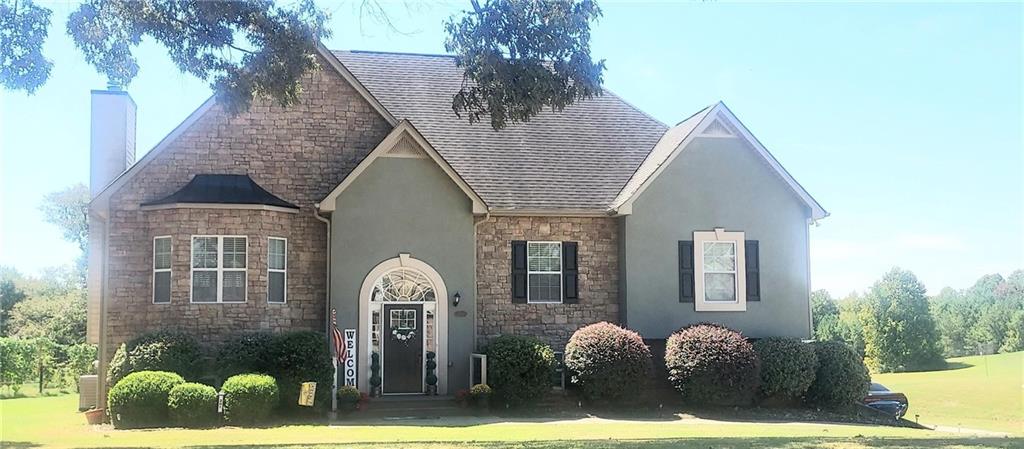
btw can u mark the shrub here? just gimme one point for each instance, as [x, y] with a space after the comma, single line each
[140, 399]
[249, 398]
[157, 351]
[247, 353]
[841, 378]
[787, 367]
[713, 364]
[607, 361]
[348, 398]
[519, 369]
[297, 357]
[291, 358]
[15, 363]
[193, 405]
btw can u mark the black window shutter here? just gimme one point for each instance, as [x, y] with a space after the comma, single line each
[519, 271]
[686, 293]
[753, 270]
[570, 273]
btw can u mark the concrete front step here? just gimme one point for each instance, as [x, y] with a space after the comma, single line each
[412, 407]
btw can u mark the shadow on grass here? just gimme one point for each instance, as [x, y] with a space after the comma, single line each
[688, 443]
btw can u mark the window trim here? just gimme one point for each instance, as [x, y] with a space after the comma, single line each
[163, 270]
[219, 270]
[273, 270]
[738, 238]
[560, 273]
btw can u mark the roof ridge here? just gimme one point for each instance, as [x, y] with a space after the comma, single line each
[403, 53]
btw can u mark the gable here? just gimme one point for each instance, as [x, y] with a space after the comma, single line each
[211, 140]
[404, 142]
[714, 122]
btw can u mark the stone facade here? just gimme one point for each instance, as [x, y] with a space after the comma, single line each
[298, 153]
[554, 323]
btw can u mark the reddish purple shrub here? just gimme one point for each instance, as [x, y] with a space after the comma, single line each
[712, 364]
[607, 362]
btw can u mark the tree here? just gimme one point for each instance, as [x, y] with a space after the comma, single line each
[10, 295]
[518, 56]
[23, 29]
[68, 210]
[899, 333]
[15, 363]
[60, 318]
[825, 316]
[502, 43]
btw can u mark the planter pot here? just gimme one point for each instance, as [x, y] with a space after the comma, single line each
[95, 416]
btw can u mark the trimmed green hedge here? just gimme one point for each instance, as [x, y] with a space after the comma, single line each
[519, 369]
[608, 362]
[788, 366]
[249, 398]
[841, 378]
[140, 399]
[193, 405]
[157, 351]
[291, 358]
[710, 363]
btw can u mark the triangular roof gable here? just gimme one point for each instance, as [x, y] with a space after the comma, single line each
[713, 121]
[103, 197]
[396, 144]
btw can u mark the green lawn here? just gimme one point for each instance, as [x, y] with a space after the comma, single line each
[983, 392]
[52, 422]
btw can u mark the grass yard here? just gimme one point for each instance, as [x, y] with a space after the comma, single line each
[53, 422]
[983, 392]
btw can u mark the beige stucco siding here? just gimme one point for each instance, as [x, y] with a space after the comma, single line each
[717, 182]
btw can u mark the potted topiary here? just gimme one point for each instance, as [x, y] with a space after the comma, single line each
[431, 378]
[348, 399]
[375, 379]
[480, 396]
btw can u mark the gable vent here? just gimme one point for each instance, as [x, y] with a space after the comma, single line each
[405, 147]
[718, 128]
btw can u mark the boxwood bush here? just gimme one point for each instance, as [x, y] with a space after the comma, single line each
[249, 398]
[158, 351]
[841, 378]
[607, 362]
[712, 364]
[291, 358]
[788, 366]
[193, 405]
[519, 369]
[140, 399]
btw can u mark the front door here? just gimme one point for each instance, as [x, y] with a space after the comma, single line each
[403, 348]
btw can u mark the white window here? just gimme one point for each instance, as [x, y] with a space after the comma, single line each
[277, 270]
[544, 272]
[719, 277]
[162, 269]
[218, 268]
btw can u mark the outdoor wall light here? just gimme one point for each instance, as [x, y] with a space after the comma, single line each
[456, 299]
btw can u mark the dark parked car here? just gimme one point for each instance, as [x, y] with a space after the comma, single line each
[891, 402]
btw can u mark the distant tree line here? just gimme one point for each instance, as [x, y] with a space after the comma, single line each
[897, 327]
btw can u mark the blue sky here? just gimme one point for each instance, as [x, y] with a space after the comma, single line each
[904, 121]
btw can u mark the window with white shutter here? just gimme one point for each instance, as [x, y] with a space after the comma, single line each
[219, 266]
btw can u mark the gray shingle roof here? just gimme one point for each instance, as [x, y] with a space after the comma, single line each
[579, 158]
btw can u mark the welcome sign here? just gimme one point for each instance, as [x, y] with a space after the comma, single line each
[350, 357]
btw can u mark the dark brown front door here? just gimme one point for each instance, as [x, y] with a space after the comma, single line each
[403, 348]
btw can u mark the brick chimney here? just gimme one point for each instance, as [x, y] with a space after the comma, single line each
[112, 145]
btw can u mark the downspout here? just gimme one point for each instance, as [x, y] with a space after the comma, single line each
[327, 309]
[104, 357]
[327, 304]
[810, 309]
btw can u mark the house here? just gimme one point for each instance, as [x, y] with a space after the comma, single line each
[427, 233]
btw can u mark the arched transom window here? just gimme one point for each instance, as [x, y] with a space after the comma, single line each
[405, 285]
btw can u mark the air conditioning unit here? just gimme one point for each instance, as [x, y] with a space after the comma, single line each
[87, 386]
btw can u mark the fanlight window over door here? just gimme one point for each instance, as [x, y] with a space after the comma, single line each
[403, 285]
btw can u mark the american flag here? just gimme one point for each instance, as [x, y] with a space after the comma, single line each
[337, 339]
